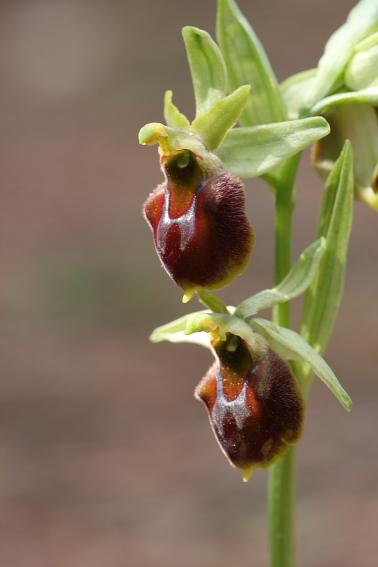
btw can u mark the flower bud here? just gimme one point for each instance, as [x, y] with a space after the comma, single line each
[359, 124]
[362, 69]
[254, 402]
[201, 232]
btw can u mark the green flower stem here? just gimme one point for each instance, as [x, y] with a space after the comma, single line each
[282, 476]
[282, 510]
[285, 194]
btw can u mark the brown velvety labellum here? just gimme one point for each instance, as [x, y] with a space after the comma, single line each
[201, 231]
[255, 409]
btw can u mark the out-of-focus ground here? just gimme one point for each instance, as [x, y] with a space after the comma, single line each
[106, 460]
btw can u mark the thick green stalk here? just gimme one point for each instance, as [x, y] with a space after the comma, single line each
[285, 203]
[282, 510]
[282, 474]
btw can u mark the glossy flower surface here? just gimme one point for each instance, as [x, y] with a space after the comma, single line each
[255, 406]
[201, 232]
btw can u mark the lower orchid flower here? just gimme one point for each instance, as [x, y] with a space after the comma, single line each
[255, 406]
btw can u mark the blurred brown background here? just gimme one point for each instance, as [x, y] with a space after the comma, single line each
[106, 460]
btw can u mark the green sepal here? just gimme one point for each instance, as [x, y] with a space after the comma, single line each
[174, 332]
[364, 96]
[173, 117]
[208, 69]
[247, 63]
[250, 152]
[323, 297]
[362, 21]
[292, 346]
[213, 126]
[294, 284]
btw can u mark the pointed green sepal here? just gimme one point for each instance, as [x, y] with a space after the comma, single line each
[173, 117]
[213, 126]
[207, 67]
[247, 63]
[291, 345]
[250, 152]
[294, 284]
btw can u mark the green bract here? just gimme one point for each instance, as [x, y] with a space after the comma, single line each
[323, 297]
[295, 283]
[335, 221]
[250, 152]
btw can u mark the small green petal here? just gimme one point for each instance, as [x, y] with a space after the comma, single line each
[173, 117]
[213, 126]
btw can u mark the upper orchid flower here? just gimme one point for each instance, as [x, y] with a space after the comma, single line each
[201, 232]
[197, 216]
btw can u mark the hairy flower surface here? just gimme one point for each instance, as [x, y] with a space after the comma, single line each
[201, 232]
[254, 402]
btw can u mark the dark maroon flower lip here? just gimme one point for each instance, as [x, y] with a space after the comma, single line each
[255, 406]
[201, 232]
